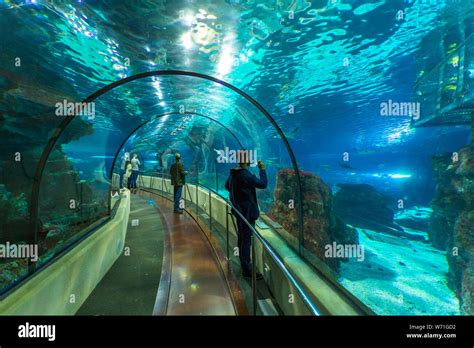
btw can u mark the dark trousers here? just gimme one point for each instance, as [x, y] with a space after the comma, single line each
[177, 190]
[122, 172]
[133, 179]
[244, 242]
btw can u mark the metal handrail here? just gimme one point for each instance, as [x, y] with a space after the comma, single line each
[304, 296]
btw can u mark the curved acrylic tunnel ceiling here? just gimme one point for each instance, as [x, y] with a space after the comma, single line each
[161, 135]
[160, 130]
[121, 107]
[198, 139]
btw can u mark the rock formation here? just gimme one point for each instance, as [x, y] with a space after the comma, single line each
[452, 222]
[416, 218]
[320, 226]
[361, 205]
[27, 119]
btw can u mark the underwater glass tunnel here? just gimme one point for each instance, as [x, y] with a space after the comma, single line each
[361, 111]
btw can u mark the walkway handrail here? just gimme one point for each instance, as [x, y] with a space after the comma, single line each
[271, 251]
[311, 306]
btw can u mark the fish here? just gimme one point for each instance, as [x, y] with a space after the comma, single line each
[345, 165]
[325, 167]
[292, 134]
[275, 164]
[369, 151]
[288, 135]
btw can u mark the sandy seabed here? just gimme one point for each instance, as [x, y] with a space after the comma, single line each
[400, 276]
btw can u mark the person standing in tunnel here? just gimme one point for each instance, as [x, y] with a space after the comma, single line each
[125, 158]
[135, 170]
[242, 186]
[178, 175]
[128, 173]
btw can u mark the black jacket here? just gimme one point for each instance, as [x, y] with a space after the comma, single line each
[178, 174]
[241, 185]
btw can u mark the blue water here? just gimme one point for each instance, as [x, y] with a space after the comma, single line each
[321, 69]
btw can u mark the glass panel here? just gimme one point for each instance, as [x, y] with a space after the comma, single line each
[369, 178]
[76, 165]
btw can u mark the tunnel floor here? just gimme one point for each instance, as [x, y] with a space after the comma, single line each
[197, 285]
[192, 281]
[130, 286]
[240, 287]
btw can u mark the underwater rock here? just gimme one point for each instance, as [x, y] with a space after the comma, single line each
[13, 214]
[54, 203]
[462, 264]
[452, 222]
[11, 271]
[361, 205]
[416, 218]
[53, 236]
[447, 203]
[26, 122]
[320, 226]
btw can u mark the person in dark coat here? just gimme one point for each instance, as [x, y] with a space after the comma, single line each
[242, 186]
[178, 180]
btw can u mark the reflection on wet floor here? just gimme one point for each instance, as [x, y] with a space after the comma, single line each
[197, 284]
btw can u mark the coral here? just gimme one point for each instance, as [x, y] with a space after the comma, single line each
[320, 226]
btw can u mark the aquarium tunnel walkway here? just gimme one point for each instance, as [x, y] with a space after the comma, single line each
[172, 264]
[171, 269]
[143, 259]
[175, 264]
[147, 260]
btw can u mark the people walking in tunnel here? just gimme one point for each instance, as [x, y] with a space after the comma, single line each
[125, 158]
[135, 170]
[159, 162]
[178, 179]
[242, 186]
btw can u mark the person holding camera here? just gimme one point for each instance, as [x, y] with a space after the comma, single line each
[242, 185]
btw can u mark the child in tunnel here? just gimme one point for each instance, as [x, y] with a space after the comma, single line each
[242, 186]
